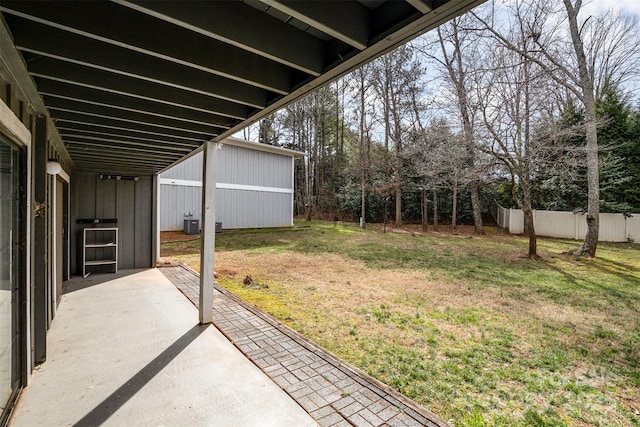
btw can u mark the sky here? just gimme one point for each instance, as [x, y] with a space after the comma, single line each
[631, 6]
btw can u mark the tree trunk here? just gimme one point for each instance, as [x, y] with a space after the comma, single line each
[398, 203]
[435, 206]
[454, 208]
[533, 243]
[588, 98]
[477, 207]
[457, 73]
[590, 243]
[527, 209]
[363, 200]
[398, 165]
[364, 164]
[425, 212]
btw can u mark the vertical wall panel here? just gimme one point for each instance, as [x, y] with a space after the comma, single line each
[124, 202]
[82, 206]
[143, 221]
[129, 202]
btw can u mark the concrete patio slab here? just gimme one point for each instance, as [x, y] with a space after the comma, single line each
[127, 350]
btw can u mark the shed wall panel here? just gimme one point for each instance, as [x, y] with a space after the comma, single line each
[239, 165]
[177, 202]
[190, 169]
[234, 208]
[247, 209]
[237, 207]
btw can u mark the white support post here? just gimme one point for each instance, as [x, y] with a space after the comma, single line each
[155, 247]
[208, 242]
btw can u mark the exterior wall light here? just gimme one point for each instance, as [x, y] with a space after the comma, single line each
[53, 167]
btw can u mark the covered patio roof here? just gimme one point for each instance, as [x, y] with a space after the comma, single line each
[134, 86]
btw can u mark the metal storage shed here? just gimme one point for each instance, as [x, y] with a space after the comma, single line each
[254, 185]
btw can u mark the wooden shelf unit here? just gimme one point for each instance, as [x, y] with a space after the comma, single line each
[100, 238]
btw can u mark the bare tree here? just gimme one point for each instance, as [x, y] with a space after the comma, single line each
[582, 55]
[514, 92]
[396, 77]
[438, 157]
[361, 86]
[310, 125]
[454, 50]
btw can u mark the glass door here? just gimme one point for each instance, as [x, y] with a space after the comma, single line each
[12, 238]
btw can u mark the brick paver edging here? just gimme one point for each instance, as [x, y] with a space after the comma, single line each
[332, 391]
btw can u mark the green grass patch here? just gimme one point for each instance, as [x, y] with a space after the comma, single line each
[465, 325]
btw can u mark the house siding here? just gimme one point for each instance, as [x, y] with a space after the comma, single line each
[36, 290]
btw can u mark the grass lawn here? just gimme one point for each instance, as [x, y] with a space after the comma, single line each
[464, 325]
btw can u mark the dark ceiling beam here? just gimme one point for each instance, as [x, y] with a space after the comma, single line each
[85, 117]
[100, 80]
[70, 49]
[242, 26]
[67, 128]
[122, 85]
[122, 128]
[53, 86]
[117, 169]
[114, 171]
[96, 97]
[123, 150]
[424, 6]
[139, 32]
[105, 153]
[107, 164]
[114, 156]
[350, 26]
[108, 160]
[80, 107]
[141, 171]
[114, 166]
[70, 136]
[134, 134]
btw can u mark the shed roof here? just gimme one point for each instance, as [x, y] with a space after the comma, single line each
[262, 147]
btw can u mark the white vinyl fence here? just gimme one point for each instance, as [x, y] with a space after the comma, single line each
[569, 225]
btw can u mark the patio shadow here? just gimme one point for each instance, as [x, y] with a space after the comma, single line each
[118, 398]
[77, 283]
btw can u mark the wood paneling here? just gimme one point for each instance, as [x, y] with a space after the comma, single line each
[130, 202]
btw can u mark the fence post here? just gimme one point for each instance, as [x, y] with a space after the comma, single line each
[627, 232]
